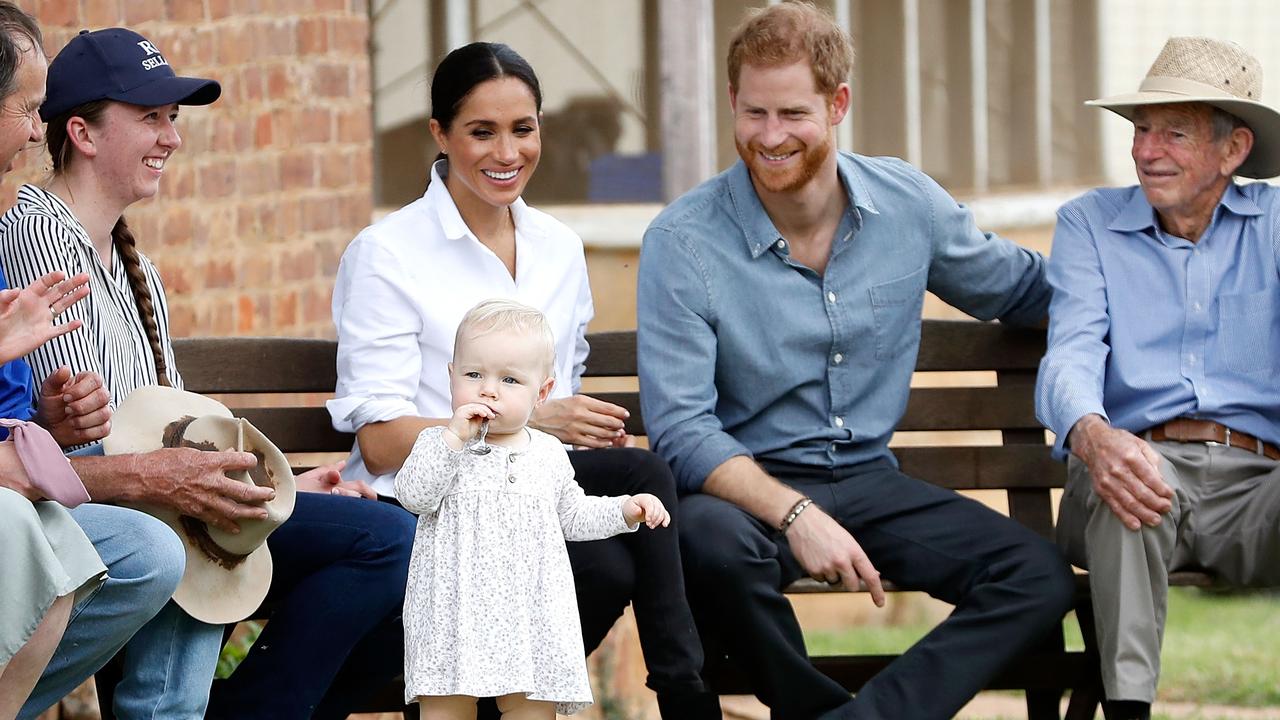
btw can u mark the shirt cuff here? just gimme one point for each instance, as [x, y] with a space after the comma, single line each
[351, 413]
[706, 456]
[1073, 414]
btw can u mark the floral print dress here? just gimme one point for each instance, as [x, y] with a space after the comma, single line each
[490, 607]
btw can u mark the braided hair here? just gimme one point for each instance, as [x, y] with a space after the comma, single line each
[121, 236]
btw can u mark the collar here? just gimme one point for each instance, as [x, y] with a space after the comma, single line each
[38, 198]
[451, 222]
[1137, 215]
[759, 231]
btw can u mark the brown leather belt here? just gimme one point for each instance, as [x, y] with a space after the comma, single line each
[1207, 431]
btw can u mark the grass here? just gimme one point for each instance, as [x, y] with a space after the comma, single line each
[1219, 648]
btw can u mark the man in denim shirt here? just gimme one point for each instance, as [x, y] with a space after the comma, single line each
[779, 309]
[1160, 375]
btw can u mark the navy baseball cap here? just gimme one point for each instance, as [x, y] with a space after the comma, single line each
[118, 64]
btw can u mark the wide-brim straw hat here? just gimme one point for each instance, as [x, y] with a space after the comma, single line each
[1217, 73]
[227, 575]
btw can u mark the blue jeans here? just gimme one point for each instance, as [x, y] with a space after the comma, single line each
[337, 592]
[170, 659]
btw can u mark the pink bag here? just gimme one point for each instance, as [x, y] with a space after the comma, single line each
[48, 469]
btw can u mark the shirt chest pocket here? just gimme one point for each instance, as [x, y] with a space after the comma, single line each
[896, 306]
[1247, 332]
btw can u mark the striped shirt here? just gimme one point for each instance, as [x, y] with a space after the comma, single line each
[39, 235]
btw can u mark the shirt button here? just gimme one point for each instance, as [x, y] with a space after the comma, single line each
[839, 421]
[838, 358]
[1191, 358]
[782, 244]
[1195, 306]
[831, 297]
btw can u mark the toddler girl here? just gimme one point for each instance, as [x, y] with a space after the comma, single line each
[490, 608]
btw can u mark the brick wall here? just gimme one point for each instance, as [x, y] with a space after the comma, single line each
[273, 180]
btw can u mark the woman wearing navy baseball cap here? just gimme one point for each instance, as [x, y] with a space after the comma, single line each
[340, 561]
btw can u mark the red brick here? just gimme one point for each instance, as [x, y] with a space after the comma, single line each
[251, 82]
[277, 39]
[298, 170]
[244, 314]
[216, 180]
[177, 226]
[318, 306]
[349, 35]
[289, 219]
[246, 223]
[298, 265]
[262, 131]
[219, 273]
[140, 11]
[234, 45]
[355, 124]
[180, 181]
[335, 169]
[176, 278]
[185, 11]
[223, 137]
[258, 269]
[219, 9]
[318, 214]
[97, 14]
[257, 175]
[331, 80]
[313, 36]
[286, 310]
[58, 12]
[246, 7]
[278, 85]
[203, 46]
[313, 124]
[182, 319]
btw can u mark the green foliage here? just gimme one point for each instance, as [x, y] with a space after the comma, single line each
[236, 648]
[1219, 648]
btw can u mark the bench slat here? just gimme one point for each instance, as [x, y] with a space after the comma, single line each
[970, 408]
[213, 365]
[298, 429]
[984, 468]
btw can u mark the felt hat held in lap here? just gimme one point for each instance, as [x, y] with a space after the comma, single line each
[227, 574]
[1217, 73]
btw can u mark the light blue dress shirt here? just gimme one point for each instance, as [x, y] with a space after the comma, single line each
[744, 351]
[1147, 327]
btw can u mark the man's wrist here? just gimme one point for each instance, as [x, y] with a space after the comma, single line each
[794, 513]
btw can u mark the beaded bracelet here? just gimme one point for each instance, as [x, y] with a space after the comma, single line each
[796, 509]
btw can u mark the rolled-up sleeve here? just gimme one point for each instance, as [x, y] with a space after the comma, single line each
[378, 325]
[676, 355]
[1073, 370]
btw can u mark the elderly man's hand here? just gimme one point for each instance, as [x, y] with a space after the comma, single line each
[1125, 471]
[830, 554]
[195, 483]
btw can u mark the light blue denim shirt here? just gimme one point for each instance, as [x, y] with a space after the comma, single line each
[1147, 327]
[744, 351]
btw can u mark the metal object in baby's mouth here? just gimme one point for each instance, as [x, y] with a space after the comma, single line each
[477, 445]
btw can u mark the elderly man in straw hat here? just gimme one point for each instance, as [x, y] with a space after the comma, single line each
[1164, 343]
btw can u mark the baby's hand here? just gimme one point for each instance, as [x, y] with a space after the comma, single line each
[645, 507]
[466, 421]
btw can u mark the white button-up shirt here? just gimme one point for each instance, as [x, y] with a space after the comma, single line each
[402, 288]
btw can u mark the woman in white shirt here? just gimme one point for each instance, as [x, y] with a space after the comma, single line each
[405, 283]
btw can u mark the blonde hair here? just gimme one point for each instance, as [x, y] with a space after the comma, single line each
[792, 32]
[508, 315]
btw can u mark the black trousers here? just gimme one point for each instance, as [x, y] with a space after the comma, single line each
[1008, 585]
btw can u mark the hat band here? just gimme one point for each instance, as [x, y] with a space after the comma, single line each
[197, 530]
[1183, 86]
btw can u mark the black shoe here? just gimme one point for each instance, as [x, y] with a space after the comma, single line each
[1126, 710]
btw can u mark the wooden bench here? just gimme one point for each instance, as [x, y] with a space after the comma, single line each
[1014, 461]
